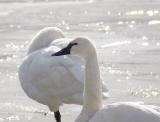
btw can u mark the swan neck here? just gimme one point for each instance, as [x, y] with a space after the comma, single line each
[43, 38]
[92, 101]
[93, 85]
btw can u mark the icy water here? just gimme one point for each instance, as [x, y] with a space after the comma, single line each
[126, 35]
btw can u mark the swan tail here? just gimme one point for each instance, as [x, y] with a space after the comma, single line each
[44, 37]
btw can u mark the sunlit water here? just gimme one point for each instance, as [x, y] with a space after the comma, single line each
[127, 39]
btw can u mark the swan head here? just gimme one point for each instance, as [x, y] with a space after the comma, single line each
[80, 46]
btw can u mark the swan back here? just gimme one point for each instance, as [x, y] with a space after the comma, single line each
[127, 112]
[43, 38]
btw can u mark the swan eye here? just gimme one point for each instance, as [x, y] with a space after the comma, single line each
[74, 43]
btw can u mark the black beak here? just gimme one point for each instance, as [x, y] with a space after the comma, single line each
[65, 51]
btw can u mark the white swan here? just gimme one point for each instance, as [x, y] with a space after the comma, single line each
[52, 80]
[92, 105]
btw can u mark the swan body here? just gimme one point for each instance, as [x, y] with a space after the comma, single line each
[126, 112]
[53, 80]
[92, 110]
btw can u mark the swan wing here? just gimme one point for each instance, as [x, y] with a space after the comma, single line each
[53, 76]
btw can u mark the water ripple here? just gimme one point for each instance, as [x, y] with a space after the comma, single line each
[147, 92]
[154, 22]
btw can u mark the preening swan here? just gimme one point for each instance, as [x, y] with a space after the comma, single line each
[92, 110]
[52, 80]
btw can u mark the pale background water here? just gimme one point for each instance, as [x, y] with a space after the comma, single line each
[126, 33]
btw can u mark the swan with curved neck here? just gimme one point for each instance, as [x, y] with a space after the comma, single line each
[92, 110]
[92, 89]
[53, 80]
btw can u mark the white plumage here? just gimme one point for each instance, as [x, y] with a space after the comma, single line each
[92, 102]
[52, 80]
[127, 112]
